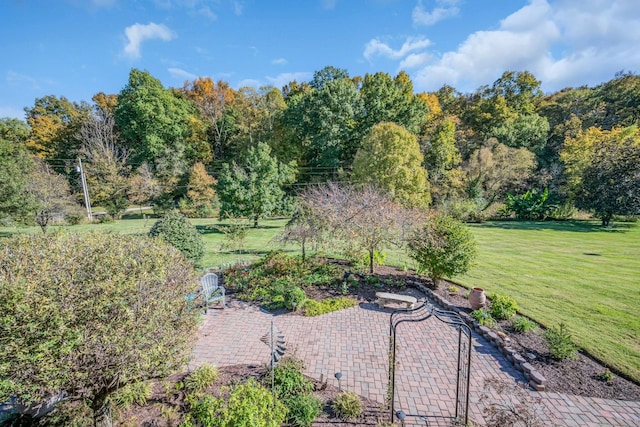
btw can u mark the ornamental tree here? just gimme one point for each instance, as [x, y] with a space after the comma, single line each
[84, 315]
[443, 247]
[363, 217]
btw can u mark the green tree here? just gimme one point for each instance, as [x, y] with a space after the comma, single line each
[329, 126]
[388, 99]
[507, 111]
[14, 130]
[51, 195]
[83, 315]
[444, 247]
[175, 229]
[254, 188]
[604, 171]
[390, 159]
[15, 168]
[156, 125]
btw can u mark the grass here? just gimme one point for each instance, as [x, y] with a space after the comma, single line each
[575, 272]
[578, 273]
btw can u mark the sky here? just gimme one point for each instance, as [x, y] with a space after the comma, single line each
[77, 48]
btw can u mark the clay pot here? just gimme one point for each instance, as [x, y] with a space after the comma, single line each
[477, 298]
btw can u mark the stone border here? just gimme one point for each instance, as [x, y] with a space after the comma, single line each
[499, 340]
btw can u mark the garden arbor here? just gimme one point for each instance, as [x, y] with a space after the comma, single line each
[460, 332]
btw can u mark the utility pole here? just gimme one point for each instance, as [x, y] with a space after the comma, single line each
[85, 190]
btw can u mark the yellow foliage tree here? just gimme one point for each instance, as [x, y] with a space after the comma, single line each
[390, 159]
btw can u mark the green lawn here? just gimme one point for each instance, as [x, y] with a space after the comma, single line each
[574, 272]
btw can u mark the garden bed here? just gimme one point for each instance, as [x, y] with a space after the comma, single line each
[578, 376]
[166, 409]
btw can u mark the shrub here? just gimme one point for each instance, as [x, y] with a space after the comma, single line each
[443, 247]
[502, 307]
[316, 308]
[138, 393]
[294, 298]
[560, 344]
[288, 379]
[483, 317]
[175, 229]
[200, 379]
[302, 409]
[532, 205]
[522, 324]
[347, 405]
[247, 404]
[66, 296]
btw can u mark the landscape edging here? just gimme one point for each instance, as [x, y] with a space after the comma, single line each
[499, 340]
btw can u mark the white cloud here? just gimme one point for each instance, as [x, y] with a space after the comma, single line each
[179, 73]
[414, 60]
[138, 33]
[284, 78]
[377, 48]
[444, 9]
[207, 12]
[563, 43]
[279, 61]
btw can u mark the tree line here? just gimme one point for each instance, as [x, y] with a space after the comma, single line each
[206, 145]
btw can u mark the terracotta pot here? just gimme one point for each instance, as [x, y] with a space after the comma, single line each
[477, 298]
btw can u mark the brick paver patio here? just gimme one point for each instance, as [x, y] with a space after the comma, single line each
[355, 343]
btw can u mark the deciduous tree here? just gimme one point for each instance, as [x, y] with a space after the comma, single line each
[106, 164]
[15, 168]
[254, 188]
[390, 160]
[55, 124]
[604, 171]
[51, 195]
[201, 193]
[360, 217]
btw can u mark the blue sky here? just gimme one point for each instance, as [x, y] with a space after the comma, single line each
[76, 48]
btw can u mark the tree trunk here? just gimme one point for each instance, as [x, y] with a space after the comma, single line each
[303, 251]
[255, 221]
[606, 219]
[101, 412]
[371, 261]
